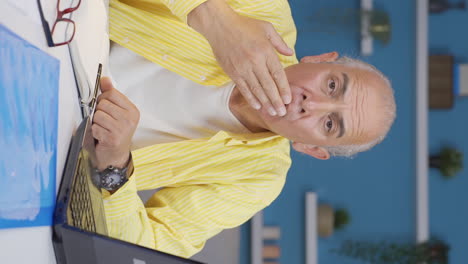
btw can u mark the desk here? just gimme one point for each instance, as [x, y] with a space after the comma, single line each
[34, 245]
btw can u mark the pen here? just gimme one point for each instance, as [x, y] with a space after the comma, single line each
[97, 85]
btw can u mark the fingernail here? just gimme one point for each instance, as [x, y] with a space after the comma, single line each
[286, 99]
[272, 111]
[282, 111]
[256, 106]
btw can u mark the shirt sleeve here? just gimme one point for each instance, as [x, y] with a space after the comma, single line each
[184, 218]
[179, 220]
[181, 8]
[203, 195]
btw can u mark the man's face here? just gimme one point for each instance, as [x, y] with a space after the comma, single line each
[332, 105]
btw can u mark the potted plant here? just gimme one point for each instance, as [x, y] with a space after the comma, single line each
[330, 220]
[449, 161]
[342, 219]
[380, 27]
[433, 251]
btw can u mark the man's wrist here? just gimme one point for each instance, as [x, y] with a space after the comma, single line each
[201, 18]
[120, 162]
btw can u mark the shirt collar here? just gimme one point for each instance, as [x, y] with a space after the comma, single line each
[231, 139]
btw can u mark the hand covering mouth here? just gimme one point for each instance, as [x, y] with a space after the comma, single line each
[294, 109]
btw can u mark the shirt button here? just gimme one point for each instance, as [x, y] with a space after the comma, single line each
[125, 40]
[165, 57]
[202, 78]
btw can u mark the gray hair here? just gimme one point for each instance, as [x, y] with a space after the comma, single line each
[389, 108]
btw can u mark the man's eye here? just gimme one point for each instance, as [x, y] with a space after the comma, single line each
[329, 125]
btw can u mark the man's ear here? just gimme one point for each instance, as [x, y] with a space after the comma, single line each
[325, 57]
[314, 151]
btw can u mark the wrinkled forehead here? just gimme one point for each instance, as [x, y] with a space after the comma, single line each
[365, 120]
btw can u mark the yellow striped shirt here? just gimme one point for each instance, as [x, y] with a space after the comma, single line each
[157, 30]
[208, 184]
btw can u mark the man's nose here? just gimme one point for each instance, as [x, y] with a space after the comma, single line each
[310, 105]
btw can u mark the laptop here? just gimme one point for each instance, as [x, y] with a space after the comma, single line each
[79, 229]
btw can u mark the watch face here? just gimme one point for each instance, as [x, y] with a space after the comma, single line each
[112, 179]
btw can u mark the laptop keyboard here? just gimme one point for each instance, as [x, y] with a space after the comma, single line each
[82, 215]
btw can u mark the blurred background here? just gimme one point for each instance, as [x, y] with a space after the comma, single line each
[376, 189]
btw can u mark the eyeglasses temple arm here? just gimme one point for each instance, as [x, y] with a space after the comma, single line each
[45, 26]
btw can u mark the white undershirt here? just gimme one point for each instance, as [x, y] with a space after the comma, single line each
[172, 108]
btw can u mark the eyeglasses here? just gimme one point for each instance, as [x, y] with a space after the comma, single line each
[63, 30]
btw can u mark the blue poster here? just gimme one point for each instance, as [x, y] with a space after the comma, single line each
[29, 80]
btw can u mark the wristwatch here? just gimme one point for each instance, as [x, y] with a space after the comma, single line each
[112, 178]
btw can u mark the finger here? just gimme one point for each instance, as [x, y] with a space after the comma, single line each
[105, 120]
[104, 137]
[247, 94]
[271, 90]
[117, 98]
[278, 42]
[100, 133]
[115, 111]
[257, 90]
[106, 84]
[280, 79]
[325, 57]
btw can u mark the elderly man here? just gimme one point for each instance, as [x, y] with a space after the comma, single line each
[218, 160]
